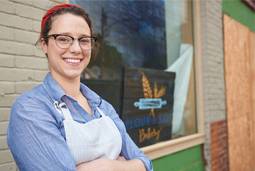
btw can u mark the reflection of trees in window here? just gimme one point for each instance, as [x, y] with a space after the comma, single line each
[130, 33]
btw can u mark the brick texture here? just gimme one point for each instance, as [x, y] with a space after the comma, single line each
[8, 167]
[3, 143]
[219, 147]
[213, 70]
[22, 65]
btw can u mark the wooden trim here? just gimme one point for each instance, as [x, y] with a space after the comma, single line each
[168, 147]
[198, 67]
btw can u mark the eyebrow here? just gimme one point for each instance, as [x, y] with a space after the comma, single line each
[69, 34]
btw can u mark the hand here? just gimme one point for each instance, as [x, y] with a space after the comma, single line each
[96, 165]
[112, 165]
[121, 158]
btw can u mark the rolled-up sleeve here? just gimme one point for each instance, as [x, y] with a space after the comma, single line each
[129, 148]
[35, 140]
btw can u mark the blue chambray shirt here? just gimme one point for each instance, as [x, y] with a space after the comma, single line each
[36, 135]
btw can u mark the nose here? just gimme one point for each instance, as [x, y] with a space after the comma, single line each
[75, 47]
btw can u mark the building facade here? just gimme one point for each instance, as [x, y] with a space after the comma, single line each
[217, 129]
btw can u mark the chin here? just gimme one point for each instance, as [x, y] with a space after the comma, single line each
[73, 75]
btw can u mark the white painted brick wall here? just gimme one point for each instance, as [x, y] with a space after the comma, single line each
[8, 7]
[4, 111]
[10, 166]
[3, 127]
[16, 48]
[6, 33]
[7, 88]
[7, 60]
[25, 36]
[5, 156]
[213, 68]
[28, 11]
[213, 64]
[3, 143]
[15, 21]
[21, 87]
[22, 65]
[31, 62]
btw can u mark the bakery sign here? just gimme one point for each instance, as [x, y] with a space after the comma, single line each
[148, 104]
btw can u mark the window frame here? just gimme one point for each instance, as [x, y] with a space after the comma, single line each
[174, 145]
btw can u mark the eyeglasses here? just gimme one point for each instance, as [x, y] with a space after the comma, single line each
[65, 41]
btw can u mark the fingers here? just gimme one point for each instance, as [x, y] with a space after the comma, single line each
[121, 158]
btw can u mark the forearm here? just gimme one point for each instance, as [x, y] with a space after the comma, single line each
[112, 165]
[129, 165]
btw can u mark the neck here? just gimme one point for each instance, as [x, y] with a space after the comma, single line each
[71, 86]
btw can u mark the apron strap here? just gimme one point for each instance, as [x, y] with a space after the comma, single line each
[62, 108]
[101, 112]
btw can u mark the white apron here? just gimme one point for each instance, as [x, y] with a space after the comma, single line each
[98, 138]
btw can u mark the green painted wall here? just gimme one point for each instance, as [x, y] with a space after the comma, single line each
[186, 160]
[240, 12]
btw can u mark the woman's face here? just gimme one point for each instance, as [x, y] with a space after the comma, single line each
[67, 63]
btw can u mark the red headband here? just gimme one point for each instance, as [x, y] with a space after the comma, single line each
[52, 10]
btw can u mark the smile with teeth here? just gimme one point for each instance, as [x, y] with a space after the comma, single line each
[72, 60]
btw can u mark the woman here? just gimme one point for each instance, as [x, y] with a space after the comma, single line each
[62, 124]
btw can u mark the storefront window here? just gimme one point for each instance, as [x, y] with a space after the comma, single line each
[143, 65]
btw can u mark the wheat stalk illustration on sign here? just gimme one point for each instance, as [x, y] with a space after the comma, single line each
[152, 93]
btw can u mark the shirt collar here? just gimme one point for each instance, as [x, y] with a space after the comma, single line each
[53, 88]
[94, 99]
[56, 92]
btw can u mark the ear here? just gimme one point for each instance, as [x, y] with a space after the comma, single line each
[44, 46]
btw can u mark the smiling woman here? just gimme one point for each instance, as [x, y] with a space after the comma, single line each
[62, 124]
[67, 60]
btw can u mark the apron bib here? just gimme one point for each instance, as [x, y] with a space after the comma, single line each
[98, 138]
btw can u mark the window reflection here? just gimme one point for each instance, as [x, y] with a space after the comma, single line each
[156, 35]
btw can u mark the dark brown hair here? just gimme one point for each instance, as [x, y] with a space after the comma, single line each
[75, 10]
